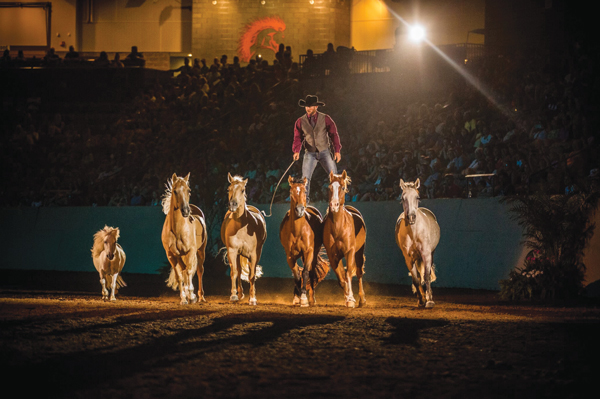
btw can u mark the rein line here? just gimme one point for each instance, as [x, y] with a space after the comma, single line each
[275, 192]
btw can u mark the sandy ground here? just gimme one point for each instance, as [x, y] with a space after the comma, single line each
[70, 343]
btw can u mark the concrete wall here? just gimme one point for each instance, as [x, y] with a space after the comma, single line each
[218, 28]
[479, 243]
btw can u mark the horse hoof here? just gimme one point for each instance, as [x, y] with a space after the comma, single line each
[303, 301]
[252, 302]
[184, 302]
[362, 303]
[429, 304]
[296, 300]
[420, 304]
[113, 299]
[242, 297]
[202, 299]
[350, 304]
[233, 298]
[194, 299]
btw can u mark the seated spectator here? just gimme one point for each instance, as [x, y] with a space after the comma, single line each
[72, 55]
[51, 58]
[116, 62]
[135, 58]
[102, 60]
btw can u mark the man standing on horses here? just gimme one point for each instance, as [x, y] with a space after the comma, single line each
[317, 131]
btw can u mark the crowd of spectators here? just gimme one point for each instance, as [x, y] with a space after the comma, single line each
[533, 134]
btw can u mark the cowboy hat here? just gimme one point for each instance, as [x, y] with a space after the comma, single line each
[310, 101]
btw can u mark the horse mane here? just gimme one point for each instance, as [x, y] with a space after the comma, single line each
[297, 180]
[99, 239]
[237, 179]
[347, 181]
[166, 197]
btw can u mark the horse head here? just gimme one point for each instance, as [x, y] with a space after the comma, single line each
[298, 195]
[410, 200]
[237, 192]
[338, 187]
[111, 235]
[180, 191]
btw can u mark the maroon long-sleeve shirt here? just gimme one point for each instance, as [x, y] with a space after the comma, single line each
[330, 127]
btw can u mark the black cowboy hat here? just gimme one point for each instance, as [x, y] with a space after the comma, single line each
[310, 101]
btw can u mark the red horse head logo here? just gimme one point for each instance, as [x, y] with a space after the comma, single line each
[253, 29]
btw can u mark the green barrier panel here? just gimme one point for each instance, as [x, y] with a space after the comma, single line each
[479, 242]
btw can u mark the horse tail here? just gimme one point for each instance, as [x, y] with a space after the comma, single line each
[172, 280]
[245, 267]
[320, 268]
[120, 282]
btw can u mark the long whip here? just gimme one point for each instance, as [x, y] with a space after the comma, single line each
[275, 191]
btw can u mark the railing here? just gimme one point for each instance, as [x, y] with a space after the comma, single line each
[349, 61]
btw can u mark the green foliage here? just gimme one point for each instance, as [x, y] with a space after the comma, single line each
[556, 230]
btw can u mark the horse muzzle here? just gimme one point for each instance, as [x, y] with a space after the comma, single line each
[412, 218]
[185, 211]
[334, 206]
[233, 206]
[300, 211]
[110, 256]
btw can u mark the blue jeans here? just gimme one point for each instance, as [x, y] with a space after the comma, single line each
[309, 163]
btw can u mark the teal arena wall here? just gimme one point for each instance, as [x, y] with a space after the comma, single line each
[479, 242]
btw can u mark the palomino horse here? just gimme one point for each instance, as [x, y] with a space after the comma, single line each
[344, 235]
[184, 239]
[109, 259]
[301, 234]
[417, 235]
[243, 232]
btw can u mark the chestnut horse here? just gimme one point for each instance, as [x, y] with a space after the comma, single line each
[417, 235]
[109, 259]
[301, 234]
[184, 238]
[244, 231]
[344, 235]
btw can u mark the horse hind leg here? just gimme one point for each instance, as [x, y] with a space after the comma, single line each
[417, 288]
[360, 271]
[200, 271]
[252, 279]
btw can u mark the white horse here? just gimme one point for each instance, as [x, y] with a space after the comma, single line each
[417, 235]
[109, 259]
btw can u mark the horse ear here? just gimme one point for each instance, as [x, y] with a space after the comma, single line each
[229, 178]
[304, 180]
[245, 181]
[417, 183]
[118, 233]
[174, 177]
[402, 184]
[344, 175]
[330, 176]
[290, 179]
[187, 178]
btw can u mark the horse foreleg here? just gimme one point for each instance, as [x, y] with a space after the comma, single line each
[307, 260]
[192, 267]
[417, 287]
[350, 271]
[103, 284]
[233, 271]
[113, 286]
[182, 283]
[427, 265]
[240, 288]
[297, 278]
[338, 269]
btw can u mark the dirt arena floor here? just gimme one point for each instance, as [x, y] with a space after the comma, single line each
[59, 339]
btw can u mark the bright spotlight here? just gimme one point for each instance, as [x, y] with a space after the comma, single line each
[417, 33]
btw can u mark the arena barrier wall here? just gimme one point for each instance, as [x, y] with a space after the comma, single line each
[479, 243]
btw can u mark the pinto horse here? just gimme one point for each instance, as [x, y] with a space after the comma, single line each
[417, 235]
[109, 259]
[301, 235]
[344, 236]
[244, 232]
[184, 238]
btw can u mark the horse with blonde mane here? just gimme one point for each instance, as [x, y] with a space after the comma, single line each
[301, 235]
[344, 236]
[417, 235]
[109, 259]
[244, 232]
[184, 238]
